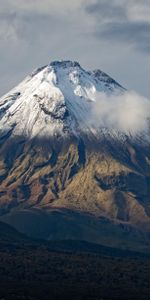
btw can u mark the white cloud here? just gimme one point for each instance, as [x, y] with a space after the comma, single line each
[128, 112]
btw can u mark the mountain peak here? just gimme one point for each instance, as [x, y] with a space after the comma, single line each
[57, 98]
[65, 64]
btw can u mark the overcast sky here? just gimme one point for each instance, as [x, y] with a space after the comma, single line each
[113, 35]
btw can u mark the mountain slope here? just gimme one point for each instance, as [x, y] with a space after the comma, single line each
[54, 156]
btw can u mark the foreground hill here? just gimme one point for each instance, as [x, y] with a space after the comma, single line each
[69, 269]
[31, 269]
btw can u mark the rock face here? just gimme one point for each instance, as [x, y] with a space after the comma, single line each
[60, 170]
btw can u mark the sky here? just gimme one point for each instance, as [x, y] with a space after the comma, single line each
[111, 35]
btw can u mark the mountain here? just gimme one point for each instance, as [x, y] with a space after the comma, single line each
[66, 175]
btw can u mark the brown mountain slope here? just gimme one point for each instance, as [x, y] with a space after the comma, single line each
[107, 180]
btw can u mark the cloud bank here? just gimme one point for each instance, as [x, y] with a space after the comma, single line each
[128, 112]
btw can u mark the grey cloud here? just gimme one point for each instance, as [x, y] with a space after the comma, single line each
[106, 10]
[135, 34]
[26, 25]
[117, 22]
[45, 6]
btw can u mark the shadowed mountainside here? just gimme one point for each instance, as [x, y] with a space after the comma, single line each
[105, 184]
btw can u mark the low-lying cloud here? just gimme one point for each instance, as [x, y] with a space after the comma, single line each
[128, 112]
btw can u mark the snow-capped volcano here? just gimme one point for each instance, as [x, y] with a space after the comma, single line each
[92, 185]
[55, 99]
